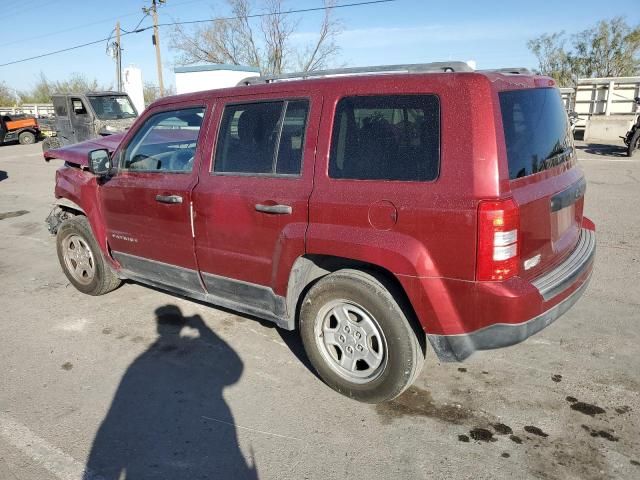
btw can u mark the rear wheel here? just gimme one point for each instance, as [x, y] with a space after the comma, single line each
[634, 143]
[358, 337]
[26, 138]
[81, 259]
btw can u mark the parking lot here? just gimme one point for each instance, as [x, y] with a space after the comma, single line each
[227, 396]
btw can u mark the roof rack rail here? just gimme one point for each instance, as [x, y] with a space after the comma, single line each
[513, 70]
[433, 67]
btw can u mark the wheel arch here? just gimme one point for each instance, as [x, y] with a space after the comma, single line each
[69, 206]
[309, 269]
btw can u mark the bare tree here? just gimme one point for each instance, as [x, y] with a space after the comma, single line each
[609, 49]
[151, 92]
[267, 43]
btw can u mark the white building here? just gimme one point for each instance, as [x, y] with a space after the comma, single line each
[195, 78]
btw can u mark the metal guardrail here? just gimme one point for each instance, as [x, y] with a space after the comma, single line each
[36, 109]
[604, 96]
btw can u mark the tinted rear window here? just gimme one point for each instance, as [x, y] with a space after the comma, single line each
[391, 137]
[536, 130]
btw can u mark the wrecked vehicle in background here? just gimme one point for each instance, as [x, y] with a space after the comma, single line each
[83, 116]
[20, 128]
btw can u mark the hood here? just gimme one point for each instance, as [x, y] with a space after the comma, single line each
[78, 152]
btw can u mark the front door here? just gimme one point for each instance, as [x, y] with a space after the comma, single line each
[147, 204]
[81, 123]
[62, 124]
[251, 203]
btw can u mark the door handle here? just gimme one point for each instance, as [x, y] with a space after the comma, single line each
[277, 209]
[171, 199]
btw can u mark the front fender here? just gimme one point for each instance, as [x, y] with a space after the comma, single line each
[78, 189]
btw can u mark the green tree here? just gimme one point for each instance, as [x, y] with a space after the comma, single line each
[553, 59]
[44, 88]
[7, 98]
[611, 48]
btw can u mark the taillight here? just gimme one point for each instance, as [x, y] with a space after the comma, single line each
[498, 246]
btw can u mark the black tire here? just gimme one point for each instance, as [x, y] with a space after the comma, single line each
[404, 354]
[26, 138]
[103, 278]
[633, 144]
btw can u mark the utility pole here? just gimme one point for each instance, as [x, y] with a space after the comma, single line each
[118, 51]
[153, 10]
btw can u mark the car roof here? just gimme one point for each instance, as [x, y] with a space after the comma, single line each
[504, 78]
[107, 93]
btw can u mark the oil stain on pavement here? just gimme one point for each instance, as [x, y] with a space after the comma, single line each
[585, 455]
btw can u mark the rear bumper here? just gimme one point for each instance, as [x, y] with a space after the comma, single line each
[454, 348]
[518, 308]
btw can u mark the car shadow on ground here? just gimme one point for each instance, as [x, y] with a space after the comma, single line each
[168, 418]
[3, 175]
[604, 149]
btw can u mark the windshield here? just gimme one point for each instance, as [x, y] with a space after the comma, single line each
[112, 107]
[536, 130]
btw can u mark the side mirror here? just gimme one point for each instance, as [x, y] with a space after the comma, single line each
[99, 162]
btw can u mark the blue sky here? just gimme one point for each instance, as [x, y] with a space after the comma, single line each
[493, 33]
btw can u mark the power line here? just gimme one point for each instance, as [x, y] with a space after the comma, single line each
[192, 22]
[85, 25]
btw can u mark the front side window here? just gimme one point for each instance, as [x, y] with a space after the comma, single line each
[113, 107]
[262, 138]
[165, 143]
[391, 137]
[78, 107]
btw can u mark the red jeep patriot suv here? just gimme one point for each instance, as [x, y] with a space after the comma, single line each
[374, 210]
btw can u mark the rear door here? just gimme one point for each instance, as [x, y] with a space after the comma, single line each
[251, 203]
[544, 179]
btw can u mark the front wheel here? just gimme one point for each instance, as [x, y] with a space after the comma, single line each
[633, 143]
[81, 259]
[358, 338]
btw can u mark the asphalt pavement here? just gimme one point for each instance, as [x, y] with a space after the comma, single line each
[141, 384]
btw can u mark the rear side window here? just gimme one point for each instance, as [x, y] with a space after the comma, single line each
[391, 137]
[536, 130]
[262, 138]
[60, 106]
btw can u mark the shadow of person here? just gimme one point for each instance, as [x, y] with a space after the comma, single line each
[168, 419]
